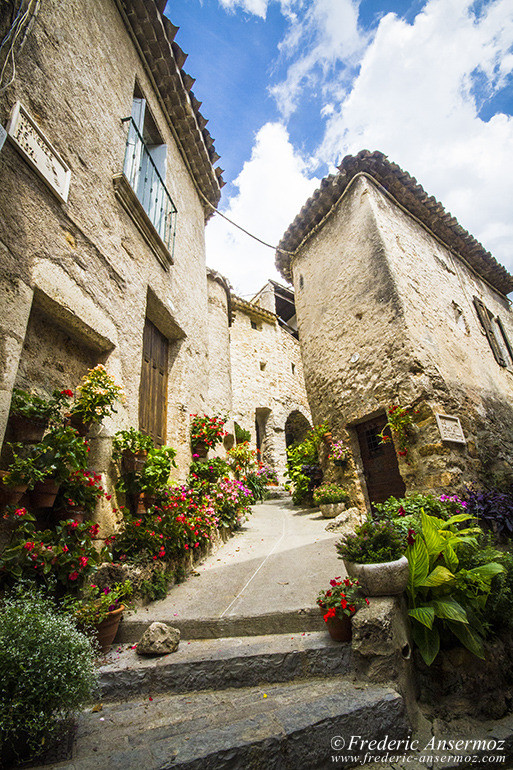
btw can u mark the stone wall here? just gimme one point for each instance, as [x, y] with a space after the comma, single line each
[385, 316]
[267, 380]
[83, 267]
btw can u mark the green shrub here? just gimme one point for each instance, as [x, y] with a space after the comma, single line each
[302, 459]
[46, 673]
[372, 542]
[497, 614]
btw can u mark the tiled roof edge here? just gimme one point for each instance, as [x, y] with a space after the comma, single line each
[410, 195]
[155, 37]
[250, 309]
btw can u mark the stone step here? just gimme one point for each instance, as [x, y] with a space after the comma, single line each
[133, 625]
[276, 727]
[222, 663]
[277, 493]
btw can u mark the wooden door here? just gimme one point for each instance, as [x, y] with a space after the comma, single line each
[153, 390]
[380, 467]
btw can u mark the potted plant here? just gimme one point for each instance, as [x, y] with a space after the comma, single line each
[338, 454]
[374, 555]
[206, 433]
[98, 611]
[132, 447]
[338, 604]
[154, 477]
[96, 396]
[60, 452]
[331, 498]
[30, 414]
[79, 494]
[23, 473]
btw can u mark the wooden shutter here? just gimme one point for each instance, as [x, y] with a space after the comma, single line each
[153, 390]
[486, 323]
[505, 338]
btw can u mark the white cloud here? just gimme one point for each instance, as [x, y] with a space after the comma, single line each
[272, 185]
[256, 7]
[416, 97]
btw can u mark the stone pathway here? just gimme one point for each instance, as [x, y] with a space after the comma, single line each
[270, 572]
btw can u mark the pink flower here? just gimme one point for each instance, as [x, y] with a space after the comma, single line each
[73, 575]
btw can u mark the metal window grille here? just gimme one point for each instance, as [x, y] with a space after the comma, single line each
[147, 183]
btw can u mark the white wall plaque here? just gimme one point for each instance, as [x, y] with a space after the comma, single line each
[38, 152]
[450, 428]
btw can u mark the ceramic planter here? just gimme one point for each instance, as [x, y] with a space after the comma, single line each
[44, 493]
[385, 579]
[340, 629]
[133, 461]
[330, 510]
[108, 628]
[10, 495]
[77, 514]
[28, 430]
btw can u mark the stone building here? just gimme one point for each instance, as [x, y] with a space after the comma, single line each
[255, 367]
[107, 180]
[398, 304]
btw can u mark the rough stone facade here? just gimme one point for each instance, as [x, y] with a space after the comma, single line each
[266, 387]
[387, 316]
[78, 279]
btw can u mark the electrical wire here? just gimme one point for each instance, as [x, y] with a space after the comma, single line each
[21, 24]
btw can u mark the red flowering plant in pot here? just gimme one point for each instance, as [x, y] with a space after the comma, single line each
[79, 494]
[60, 452]
[62, 558]
[206, 433]
[400, 421]
[98, 611]
[338, 605]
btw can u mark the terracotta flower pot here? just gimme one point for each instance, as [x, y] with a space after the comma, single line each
[10, 495]
[77, 514]
[133, 461]
[28, 430]
[340, 629]
[81, 427]
[108, 628]
[200, 448]
[384, 579]
[142, 502]
[44, 493]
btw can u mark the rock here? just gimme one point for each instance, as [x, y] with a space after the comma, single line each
[345, 521]
[158, 639]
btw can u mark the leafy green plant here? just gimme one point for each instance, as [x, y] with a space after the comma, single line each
[330, 493]
[157, 586]
[60, 452]
[302, 459]
[373, 542]
[206, 473]
[241, 459]
[131, 440]
[82, 490]
[156, 470]
[242, 436]
[435, 581]
[46, 673]
[497, 613]
[24, 467]
[95, 603]
[96, 396]
[36, 407]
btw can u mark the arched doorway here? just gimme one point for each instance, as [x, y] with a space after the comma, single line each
[296, 427]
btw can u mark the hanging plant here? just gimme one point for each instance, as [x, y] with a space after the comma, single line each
[400, 421]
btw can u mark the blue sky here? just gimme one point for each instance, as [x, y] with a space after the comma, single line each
[291, 86]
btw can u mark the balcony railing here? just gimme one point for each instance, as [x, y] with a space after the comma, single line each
[147, 183]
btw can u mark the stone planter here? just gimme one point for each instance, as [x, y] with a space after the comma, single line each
[330, 510]
[383, 579]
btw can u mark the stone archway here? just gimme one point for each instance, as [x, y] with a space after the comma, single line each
[296, 427]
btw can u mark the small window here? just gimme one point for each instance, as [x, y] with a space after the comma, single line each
[495, 334]
[301, 282]
[263, 364]
[254, 325]
[293, 366]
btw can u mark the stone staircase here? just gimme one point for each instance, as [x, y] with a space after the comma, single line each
[262, 701]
